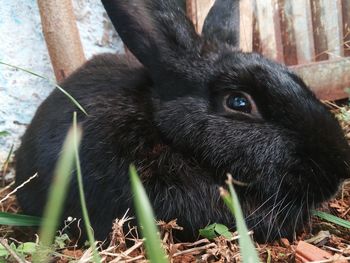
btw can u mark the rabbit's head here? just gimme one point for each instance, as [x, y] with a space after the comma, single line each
[236, 112]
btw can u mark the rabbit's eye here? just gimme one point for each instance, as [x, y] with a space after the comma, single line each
[239, 102]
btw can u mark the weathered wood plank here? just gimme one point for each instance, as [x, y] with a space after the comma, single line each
[203, 7]
[302, 27]
[345, 4]
[287, 32]
[332, 19]
[197, 10]
[191, 11]
[327, 79]
[256, 31]
[246, 25]
[283, 30]
[319, 31]
[269, 29]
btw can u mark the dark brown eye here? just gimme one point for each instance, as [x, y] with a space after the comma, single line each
[239, 102]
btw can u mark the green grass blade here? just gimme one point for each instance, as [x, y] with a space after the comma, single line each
[10, 219]
[51, 82]
[331, 218]
[86, 218]
[9, 154]
[5, 165]
[247, 248]
[57, 194]
[145, 217]
[4, 133]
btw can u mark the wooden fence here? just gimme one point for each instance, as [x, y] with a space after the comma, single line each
[311, 36]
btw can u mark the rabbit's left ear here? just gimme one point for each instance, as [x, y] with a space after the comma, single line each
[160, 36]
[155, 31]
[222, 23]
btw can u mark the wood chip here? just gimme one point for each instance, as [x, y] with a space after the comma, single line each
[306, 252]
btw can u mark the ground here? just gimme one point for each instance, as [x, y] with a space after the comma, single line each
[320, 240]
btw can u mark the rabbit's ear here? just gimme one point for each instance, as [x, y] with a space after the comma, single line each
[155, 31]
[222, 23]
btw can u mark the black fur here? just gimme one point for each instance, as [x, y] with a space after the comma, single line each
[222, 23]
[167, 117]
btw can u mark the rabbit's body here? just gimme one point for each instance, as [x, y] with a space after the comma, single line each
[193, 110]
[120, 113]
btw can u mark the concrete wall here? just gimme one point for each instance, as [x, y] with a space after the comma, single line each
[22, 44]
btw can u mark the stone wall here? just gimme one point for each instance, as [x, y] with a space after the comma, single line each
[22, 44]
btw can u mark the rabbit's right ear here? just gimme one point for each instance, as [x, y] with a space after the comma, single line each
[222, 23]
[157, 32]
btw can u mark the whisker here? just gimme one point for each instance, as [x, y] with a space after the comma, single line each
[259, 207]
[265, 216]
[274, 205]
[275, 217]
[296, 221]
[290, 204]
[308, 208]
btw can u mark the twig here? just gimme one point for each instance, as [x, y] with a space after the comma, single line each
[5, 165]
[119, 256]
[106, 253]
[18, 187]
[331, 104]
[236, 182]
[166, 236]
[7, 187]
[4, 243]
[333, 249]
[133, 259]
[346, 212]
[194, 250]
[250, 233]
[86, 257]
[201, 241]
[134, 247]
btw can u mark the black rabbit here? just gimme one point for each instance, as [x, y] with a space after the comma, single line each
[189, 110]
